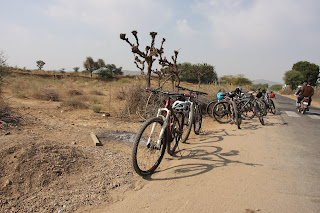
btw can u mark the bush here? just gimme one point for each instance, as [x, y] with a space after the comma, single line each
[96, 108]
[276, 87]
[46, 94]
[74, 103]
[73, 92]
[143, 103]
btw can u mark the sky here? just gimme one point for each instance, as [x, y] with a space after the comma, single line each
[260, 39]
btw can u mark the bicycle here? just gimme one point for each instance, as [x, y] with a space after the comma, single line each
[270, 107]
[155, 134]
[227, 109]
[195, 113]
[259, 108]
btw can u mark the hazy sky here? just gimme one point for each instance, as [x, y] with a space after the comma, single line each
[258, 38]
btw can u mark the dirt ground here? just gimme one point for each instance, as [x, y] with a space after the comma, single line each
[49, 163]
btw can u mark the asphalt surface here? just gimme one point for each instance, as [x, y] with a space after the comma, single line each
[303, 146]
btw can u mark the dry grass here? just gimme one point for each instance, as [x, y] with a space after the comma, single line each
[120, 97]
[74, 103]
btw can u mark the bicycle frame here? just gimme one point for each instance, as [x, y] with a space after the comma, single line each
[166, 119]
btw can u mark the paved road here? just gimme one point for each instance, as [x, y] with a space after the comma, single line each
[303, 132]
[262, 169]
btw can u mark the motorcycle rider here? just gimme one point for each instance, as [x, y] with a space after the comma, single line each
[306, 91]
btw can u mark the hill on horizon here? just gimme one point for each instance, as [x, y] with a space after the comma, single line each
[262, 81]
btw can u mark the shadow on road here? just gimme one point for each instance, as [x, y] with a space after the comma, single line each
[210, 156]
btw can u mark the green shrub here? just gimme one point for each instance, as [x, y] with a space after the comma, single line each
[276, 87]
[96, 108]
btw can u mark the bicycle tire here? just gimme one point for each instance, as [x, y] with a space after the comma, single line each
[210, 107]
[197, 120]
[263, 107]
[259, 113]
[221, 111]
[272, 107]
[147, 158]
[246, 109]
[188, 121]
[235, 116]
[176, 133]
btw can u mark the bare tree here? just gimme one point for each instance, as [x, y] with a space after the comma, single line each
[171, 67]
[148, 56]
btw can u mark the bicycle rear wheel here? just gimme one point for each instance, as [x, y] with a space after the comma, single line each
[272, 107]
[187, 125]
[246, 109]
[259, 113]
[197, 120]
[236, 117]
[221, 112]
[146, 154]
[176, 133]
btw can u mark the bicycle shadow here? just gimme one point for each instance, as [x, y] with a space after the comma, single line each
[210, 157]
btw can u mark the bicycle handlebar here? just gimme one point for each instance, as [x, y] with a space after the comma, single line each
[168, 93]
[192, 91]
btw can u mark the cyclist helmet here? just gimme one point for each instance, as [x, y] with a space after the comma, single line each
[238, 90]
[220, 95]
[181, 106]
[272, 95]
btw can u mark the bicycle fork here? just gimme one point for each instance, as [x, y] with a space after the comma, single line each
[163, 128]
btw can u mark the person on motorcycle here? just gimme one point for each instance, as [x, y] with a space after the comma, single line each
[306, 91]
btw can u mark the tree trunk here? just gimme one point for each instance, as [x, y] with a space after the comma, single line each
[148, 80]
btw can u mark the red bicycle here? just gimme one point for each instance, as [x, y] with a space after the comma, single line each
[156, 133]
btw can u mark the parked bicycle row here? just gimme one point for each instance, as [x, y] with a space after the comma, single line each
[174, 121]
[236, 106]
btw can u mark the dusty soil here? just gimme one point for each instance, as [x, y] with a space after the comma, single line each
[49, 163]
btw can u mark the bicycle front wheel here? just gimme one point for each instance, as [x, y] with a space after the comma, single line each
[147, 153]
[210, 107]
[197, 120]
[221, 112]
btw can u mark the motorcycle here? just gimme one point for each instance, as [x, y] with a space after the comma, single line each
[303, 105]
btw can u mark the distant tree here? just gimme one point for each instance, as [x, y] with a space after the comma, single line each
[90, 65]
[276, 87]
[76, 69]
[293, 78]
[199, 73]
[238, 80]
[260, 86]
[62, 70]
[100, 63]
[3, 65]
[241, 80]
[109, 70]
[40, 64]
[114, 70]
[309, 71]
